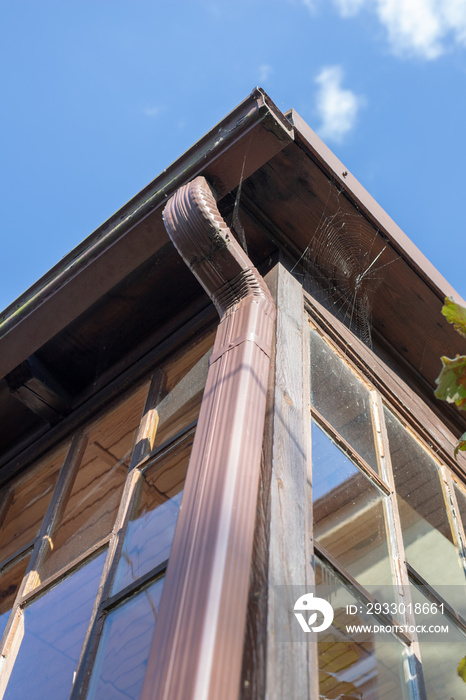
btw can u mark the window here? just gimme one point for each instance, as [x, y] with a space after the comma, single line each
[388, 522]
[85, 539]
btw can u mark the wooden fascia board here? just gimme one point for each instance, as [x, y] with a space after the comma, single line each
[361, 198]
[236, 147]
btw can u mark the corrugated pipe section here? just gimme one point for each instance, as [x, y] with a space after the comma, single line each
[198, 642]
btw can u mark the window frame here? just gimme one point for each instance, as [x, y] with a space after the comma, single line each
[287, 665]
[143, 455]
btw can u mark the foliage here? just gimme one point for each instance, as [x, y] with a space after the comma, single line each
[462, 669]
[451, 382]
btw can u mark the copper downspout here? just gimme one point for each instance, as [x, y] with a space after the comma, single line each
[198, 642]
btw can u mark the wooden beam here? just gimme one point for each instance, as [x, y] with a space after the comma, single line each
[291, 666]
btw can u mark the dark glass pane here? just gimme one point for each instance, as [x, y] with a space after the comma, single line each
[91, 508]
[441, 652]
[51, 634]
[182, 398]
[427, 534]
[10, 582]
[27, 501]
[154, 514]
[349, 519]
[121, 660]
[361, 669]
[342, 399]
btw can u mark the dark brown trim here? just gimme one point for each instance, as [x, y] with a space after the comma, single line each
[16, 460]
[17, 556]
[133, 588]
[255, 129]
[198, 642]
[358, 195]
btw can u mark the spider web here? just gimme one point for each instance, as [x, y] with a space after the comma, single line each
[344, 264]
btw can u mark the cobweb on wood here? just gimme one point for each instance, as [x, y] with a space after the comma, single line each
[343, 266]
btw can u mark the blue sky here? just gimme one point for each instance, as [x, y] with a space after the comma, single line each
[99, 96]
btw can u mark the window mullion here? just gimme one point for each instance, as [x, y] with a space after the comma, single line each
[142, 448]
[396, 548]
[453, 513]
[64, 483]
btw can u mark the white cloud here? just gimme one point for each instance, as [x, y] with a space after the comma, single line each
[414, 27]
[337, 107]
[152, 111]
[264, 72]
[422, 28]
[348, 8]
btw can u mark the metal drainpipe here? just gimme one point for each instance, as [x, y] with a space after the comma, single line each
[198, 642]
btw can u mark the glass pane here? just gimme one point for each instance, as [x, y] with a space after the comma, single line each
[91, 508]
[349, 519]
[180, 406]
[427, 535]
[27, 502]
[154, 514]
[364, 669]
[10, 582]
[461, 499]
[121, 660]
[53, 629]
[342, 399]
[441, 653]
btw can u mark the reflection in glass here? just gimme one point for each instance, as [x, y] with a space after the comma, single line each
[441, 652]
[180, 406]
[342, 399]
[369, 667]
[349, 517]
[53, 629]
[427, 534]
[27, 502]
[10, 581]
[155, 510]
[92, 505]
[121, 660]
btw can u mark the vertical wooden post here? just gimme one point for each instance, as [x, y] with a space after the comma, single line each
[291, 665]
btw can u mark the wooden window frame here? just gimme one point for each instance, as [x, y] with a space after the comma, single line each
[143, 456]
[290, 670]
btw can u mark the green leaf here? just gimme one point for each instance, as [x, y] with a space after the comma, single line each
[451, 382]
[461, 670]
[461, 445]
[456, 315]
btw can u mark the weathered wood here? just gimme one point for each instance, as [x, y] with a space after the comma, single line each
[291, 666]
[34, 385]
[23, 455]
[407, 403]
[146, 431]
[306, 203]
[350, 451]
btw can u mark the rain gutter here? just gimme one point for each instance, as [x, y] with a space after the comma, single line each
[197, 648]
[237, 146]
